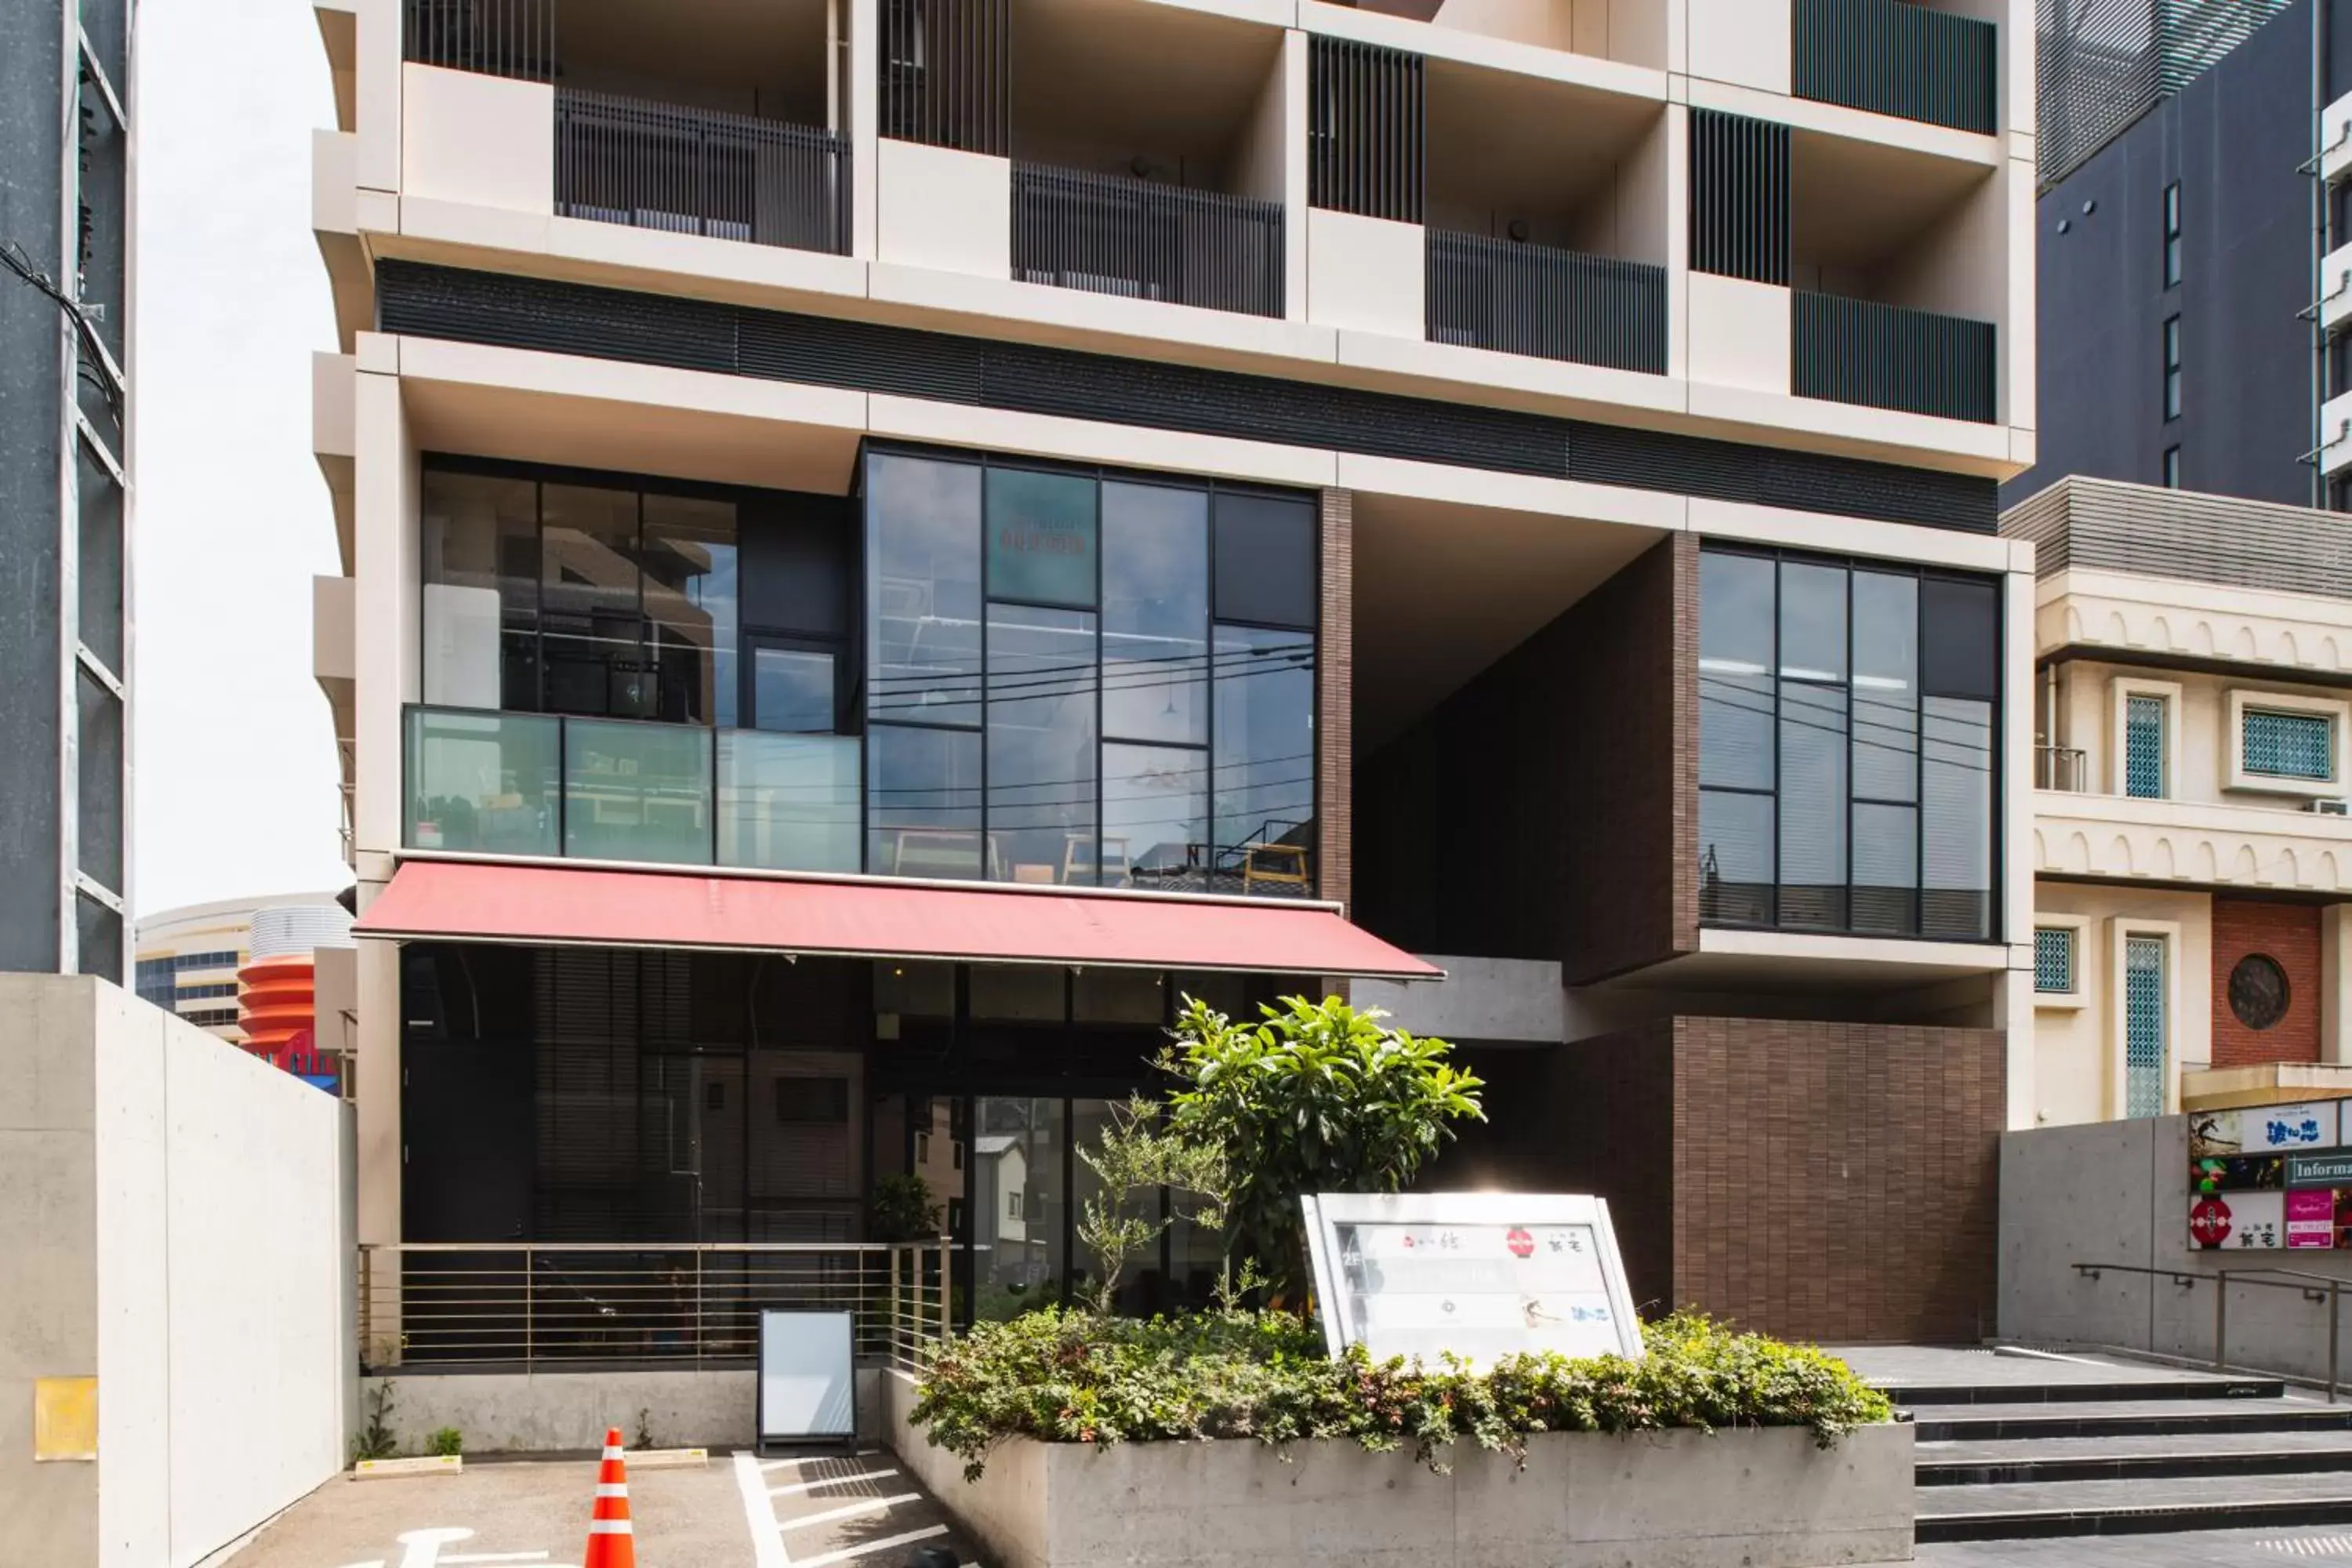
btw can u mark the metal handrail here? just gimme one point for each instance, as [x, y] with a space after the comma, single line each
[2314, 1288]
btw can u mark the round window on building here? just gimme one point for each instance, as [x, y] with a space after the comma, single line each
[2258, 991]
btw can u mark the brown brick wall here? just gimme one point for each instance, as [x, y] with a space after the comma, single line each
[1826, 1182]
[1547, 809]
[2289, 934]
[1335, 669]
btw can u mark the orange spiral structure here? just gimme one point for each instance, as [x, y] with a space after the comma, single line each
[276, 1008]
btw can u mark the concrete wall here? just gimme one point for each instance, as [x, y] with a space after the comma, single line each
[176, 1220]
[1755, 1499]
[569, 1412]
[2118, 1193]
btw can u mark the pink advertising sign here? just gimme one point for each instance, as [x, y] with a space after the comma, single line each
[2311, 1217]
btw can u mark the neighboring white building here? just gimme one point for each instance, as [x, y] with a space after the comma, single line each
[188, 958]
[2192, 854]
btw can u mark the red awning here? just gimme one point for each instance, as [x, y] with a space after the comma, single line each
[462, 901]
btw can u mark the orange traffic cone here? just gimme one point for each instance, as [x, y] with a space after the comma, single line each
[611, 1541]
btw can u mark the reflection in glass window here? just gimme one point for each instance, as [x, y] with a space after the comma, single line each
[787, 803]
[691, 593]
[1872, 808]
[1155, 814]
[478, 535]
[1266, 560]
[792, 690]
[1155, 607]
[1041, 538]
[923, 561]
[481, 781]
[637, 792]
[592, 629]
[1041, 745]
[1016, 1147]
[922, 804]
[1263, 777]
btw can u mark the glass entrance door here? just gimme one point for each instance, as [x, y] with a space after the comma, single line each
[1016, 1185]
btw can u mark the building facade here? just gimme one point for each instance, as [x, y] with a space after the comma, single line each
[2193, 259]
[887, 543]
[192, 961]
[2191, 847]
[65, 495]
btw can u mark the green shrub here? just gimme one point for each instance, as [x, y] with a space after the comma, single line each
[446, 1443]
[901, 1210]
[1066, 1376]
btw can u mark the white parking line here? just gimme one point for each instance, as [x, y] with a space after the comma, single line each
[815, 1459]
[797, 1488]
[847, 1552]
[866, 1504]
[767, 1541]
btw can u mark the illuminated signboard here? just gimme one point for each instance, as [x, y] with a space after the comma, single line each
[1479, 1275]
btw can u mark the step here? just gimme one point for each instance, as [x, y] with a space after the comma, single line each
[2027, 1460]
[2132, 1507]
[2119, 1418]
[2075, 1392]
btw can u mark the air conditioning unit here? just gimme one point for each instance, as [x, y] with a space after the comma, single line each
[2336, 806]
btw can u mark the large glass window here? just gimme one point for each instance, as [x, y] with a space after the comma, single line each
[480, 541]
[1846, 726]
[1139, 710]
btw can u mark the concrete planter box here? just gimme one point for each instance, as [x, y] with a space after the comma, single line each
[1673, 1500]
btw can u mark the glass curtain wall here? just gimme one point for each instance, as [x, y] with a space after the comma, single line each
[1847, 746]
[1085, 680]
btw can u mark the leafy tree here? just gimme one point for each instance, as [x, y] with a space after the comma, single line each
[1318, 1097]
[1133, 1159]
[902, 1209]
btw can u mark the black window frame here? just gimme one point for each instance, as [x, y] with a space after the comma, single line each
[1099, 474]
[2172, 356]
[2169, 473]
[2172, 234]
[1995, 905]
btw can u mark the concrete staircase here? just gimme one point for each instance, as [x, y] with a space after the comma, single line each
[2020, 1448]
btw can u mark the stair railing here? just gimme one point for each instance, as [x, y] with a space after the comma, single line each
[2316, 1288]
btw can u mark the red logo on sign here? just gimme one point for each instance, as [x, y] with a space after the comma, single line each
[2209, 1222]
[1521, 1243]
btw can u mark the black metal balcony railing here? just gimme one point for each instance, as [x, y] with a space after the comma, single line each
[1890, 56]
[699, 170]
[493, 37]
[1552, 304]
[1888, 357]
[1147, 241]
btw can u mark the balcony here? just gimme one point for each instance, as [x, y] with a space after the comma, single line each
[1534, 299]
[1892, 357]
[600, 789]
[697, 171]
[693, 118]
[2196, 843]
[1143, 240]
[1895, 58]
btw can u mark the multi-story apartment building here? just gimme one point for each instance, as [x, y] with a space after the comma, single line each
[887, 540]
[2191, 845]
[65, 493]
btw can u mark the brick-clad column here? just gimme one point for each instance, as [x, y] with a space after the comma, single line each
[1684, 699]
[1335, 742]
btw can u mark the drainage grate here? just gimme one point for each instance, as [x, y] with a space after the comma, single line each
[2312, 1546]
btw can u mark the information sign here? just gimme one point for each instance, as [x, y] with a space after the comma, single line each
[1476, 1275]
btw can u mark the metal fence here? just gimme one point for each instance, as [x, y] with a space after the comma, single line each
[523, 1306]
[2065, 768]
[1553, 304]
[1147, 241]
[699, 170]
[1890, 356]
[493, 37]
[1367, 128]
[946, 73]
[1890, 56]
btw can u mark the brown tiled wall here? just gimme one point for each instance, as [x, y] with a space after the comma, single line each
[1334, 731]
[2289, 934]
[1548, 809]
[1826, 1182]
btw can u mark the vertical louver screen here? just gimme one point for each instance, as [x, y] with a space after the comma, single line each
[495, 37]
[1889, 57]
[1367, 130]
[1739, 197]
[945, 67]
